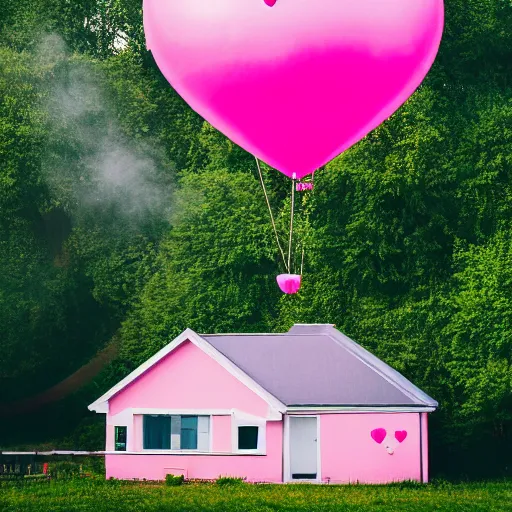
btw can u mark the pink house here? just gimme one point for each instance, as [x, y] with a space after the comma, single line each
[307, 405]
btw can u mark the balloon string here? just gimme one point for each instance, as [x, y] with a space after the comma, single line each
[272, 216]
[292, 209]
[308, 225]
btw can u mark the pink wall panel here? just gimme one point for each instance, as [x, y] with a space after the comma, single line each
[221, 434]
[136, 442]
[349, 454]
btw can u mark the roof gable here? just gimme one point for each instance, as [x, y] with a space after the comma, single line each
[101, 404]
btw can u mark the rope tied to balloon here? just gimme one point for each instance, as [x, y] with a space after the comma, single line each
[290, 282]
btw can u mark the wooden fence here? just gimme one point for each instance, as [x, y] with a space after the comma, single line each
[18, 465]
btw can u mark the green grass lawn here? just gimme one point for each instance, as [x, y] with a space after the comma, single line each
[99, 495]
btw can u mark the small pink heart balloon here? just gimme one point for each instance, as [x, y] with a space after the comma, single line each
[289, 283]
[400, 435]
[378, 435]
[297, 84]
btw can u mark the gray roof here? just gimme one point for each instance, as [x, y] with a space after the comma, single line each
[317, 365]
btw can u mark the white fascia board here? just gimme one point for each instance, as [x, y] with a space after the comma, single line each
[100, 407]
[341, 410]
[101, 404]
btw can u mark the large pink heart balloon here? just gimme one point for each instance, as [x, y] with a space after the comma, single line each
[294, 82]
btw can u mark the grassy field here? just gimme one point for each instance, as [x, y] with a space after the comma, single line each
[99, 495]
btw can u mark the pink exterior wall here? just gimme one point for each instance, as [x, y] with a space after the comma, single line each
[349, 454]
[188, 379]
[256, 468]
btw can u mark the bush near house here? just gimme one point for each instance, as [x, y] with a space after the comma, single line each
[229, 480]
[173, 480]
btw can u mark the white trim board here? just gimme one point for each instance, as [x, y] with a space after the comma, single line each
[348, 409]
[183, 453]
[101, 404]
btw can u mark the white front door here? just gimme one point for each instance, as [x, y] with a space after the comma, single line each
[303, 448]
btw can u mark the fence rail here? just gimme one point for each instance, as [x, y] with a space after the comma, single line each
[55, 452]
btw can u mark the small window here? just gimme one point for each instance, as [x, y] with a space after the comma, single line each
[120, 439]
[248, 438]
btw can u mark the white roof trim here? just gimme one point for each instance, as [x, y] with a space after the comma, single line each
[101, 404]
[383, 369]
[348, 409]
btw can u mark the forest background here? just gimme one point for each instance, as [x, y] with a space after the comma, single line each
[125, 218]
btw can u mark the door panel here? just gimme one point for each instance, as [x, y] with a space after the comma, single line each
[303, 448]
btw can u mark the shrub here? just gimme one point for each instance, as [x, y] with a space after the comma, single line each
[173, 480]
[229, 480]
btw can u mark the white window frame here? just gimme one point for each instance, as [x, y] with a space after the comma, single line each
[242, 420]
[115, 441]
[123, 419]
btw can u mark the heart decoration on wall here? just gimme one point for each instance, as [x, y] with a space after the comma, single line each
[378, 435]
[400, 435]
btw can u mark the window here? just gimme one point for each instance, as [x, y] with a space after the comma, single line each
[188, 439]
[164, 432]
[120, 439]
[157, 432]
[248, 438]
